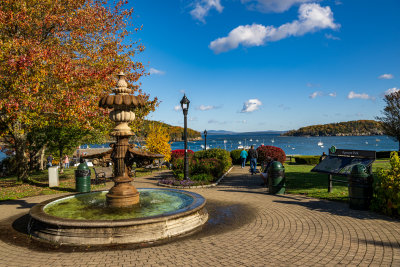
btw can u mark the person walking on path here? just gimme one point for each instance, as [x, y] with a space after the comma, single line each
[253, 159]
[243, 157]
[66, 162]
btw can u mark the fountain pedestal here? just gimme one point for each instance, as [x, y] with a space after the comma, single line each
[123, 193]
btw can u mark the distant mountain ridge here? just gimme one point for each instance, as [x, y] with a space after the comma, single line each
[349, 128]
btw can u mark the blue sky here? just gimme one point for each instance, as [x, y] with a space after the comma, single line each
[255, 65]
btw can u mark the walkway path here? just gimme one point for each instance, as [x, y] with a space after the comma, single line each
[247, 227]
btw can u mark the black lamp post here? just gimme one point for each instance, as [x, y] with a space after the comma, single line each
[205, 139]
[185, 107]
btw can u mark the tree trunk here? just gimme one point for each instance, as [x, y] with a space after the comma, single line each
[41, 158]
[21, 158]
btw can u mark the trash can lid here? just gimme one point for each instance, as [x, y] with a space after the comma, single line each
[359, 169]
[83, 166]
[276, 165]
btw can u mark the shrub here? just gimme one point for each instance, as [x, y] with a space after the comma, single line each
[309, 160]
[271, 151]
[178, 164]
[216, 153]
[213, 162]
[212, 167]
[235, 156]
[387, 188]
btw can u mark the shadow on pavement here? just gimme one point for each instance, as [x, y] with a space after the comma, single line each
[332, 207]
[22, 204]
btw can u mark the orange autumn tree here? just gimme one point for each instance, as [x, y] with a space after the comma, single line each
[157, 141]
[56, 59]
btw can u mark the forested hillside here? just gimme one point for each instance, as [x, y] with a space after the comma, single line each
[175, 132]
[349, 128]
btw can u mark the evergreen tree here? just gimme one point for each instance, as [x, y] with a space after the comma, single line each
[391, 116]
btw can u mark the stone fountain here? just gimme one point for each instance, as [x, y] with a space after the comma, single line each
[119, 216]
[123, 193]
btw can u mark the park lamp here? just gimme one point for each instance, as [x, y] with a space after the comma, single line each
[185, 104]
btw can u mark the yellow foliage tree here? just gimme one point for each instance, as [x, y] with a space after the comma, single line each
[157, 141]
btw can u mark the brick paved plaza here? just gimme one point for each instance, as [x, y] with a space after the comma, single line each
[247, 227]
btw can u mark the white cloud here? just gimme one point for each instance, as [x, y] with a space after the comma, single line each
[315, 94]
[391, 90]
[273, 5]
[178, 108]
[202, 7]
[330, 36]
[332, 94]
[353, 95]
[242, 121]
[386, 76]
[182, 91]
[156, 71]
[312, 17]
[251, 105]
[204, 107]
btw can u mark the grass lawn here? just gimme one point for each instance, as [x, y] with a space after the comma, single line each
[300, 180]
[39, 185]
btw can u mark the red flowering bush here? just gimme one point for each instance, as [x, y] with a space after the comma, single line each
[271, 151]
[180, 153]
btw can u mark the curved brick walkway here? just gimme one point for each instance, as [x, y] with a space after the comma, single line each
[247, 228]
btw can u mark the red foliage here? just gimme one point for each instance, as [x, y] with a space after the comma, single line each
[180, 153]
[271, 151]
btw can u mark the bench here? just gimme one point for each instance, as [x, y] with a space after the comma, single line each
[102, 173]
[151, 167]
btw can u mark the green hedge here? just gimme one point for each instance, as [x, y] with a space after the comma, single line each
[308, 160]
[215, 153]
[204, 164]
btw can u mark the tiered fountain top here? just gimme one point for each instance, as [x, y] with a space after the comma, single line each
[123, 103]
[122, 97]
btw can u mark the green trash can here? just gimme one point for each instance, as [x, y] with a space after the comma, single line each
[276, 178]
[82, 178]
[360, 187]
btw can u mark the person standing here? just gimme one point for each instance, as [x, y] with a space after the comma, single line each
[253, 155]
[66, 162]
[50, 161]
[243, 157]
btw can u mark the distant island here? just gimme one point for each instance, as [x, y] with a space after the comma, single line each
[349, 128]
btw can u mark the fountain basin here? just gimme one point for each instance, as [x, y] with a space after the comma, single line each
[162, 225]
